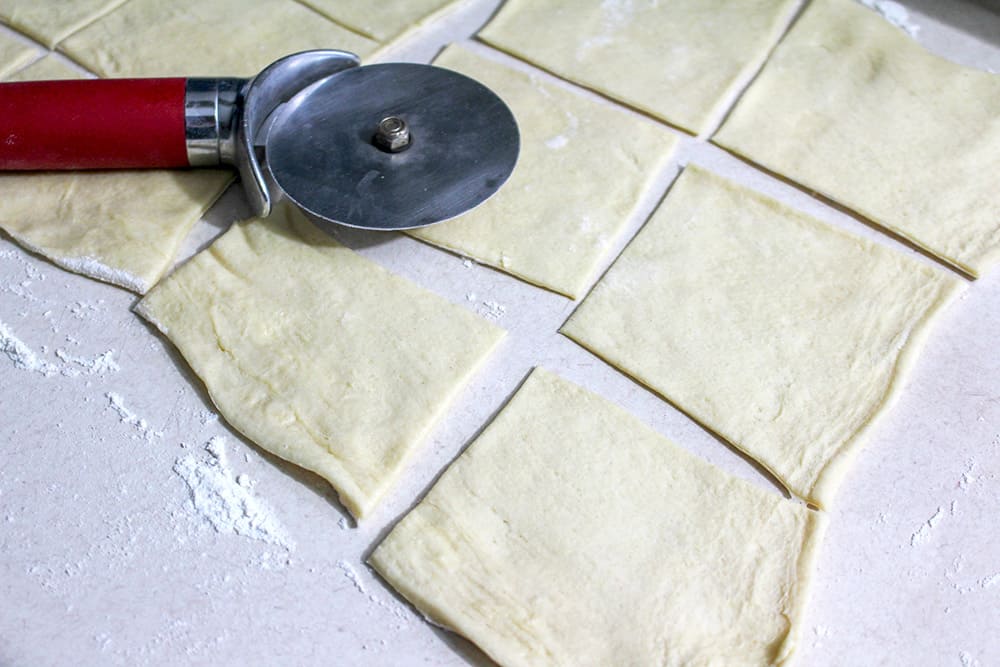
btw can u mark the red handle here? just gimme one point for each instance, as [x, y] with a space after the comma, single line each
[92, 124]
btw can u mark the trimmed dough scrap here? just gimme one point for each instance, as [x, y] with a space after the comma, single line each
[682, 61]
[851, 107]
[15, 54]
[583, 168]
[317, 354]
[122, 227]
[49, 21]
[569, 533]
[198, 38]
[385, 20]
[784, 335]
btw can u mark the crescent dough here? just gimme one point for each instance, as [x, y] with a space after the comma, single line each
[783, 335]
[851, 107]
[679, 60]
[569, 533]
[121, 227]
[316, 354]
[49, 22]
[199, 38]
[582, 169]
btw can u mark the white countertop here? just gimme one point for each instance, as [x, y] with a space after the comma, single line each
[104, 562]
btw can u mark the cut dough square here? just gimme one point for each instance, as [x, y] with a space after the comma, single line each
[317, 354]
[15, 54]
[122, 227]
[569, 533]
[197, 38]
[385, 20]
[48, 21]
[582, 169]
[682, 61]
[850, 107]
[783, 335]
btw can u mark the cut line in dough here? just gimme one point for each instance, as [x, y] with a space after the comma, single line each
[570, 533]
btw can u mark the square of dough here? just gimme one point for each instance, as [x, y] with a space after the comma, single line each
[15, 54]
[570, 533]
[785, 336]
[681, 60]
[199, 38]
[582, 169]
[851, 107]
[383, 20]
[317, 354]
[122, 227]
[48, 21]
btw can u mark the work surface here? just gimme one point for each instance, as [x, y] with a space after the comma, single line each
[104, 559]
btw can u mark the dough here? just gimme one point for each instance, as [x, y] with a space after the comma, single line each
[122, 227]
[783, 335]
[316, 354]
[198, 38]
[48, 22]
[384, 20]
[582, 169]
[15, 54]
[849, 106]
[682, 61]
[569, 533]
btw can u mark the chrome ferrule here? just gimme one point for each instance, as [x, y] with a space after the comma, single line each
[210, 115]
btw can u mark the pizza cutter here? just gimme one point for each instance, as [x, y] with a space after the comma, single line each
[385, 146]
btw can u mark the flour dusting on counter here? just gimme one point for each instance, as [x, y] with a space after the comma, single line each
[218, 497]
[24, 357]
[923, 533]
[144, 431]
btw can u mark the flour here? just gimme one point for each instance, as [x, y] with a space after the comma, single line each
[218, 498]
[492, 310]
[967, 478]
[126, 416]
[967, 659]
[467, 263]
[923, 533]
[99, 365]
[894, 13]
[352, 575]
[90, 266]
[24, 357]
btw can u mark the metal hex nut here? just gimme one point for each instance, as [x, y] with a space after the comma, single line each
[392, 134]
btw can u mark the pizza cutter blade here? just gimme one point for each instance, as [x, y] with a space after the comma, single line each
[385, 146]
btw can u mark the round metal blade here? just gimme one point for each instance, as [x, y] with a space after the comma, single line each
[322, 152]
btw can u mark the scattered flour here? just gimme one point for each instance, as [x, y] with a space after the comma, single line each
[90, 266]
[492, 310]
[467, 263]
[99, 365]
[923, 533]
[220, 499]
[393, 608]
[894, 13]
[967, 478]
[967, 659]
[24, 357]
[344, 523]
[471, 296]
[126, 416]
[820, 632]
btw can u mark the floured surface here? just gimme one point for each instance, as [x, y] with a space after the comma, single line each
[48, 22]
[569, 533]
[234, 38]
[772, 329]
[680, 61]
[569, 198]
[853, 108]
[385, 20]
[316, 354]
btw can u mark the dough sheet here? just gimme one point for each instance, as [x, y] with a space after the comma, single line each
[851, 107]
[316, 354]
[784, 335]
[15, 54]
[570, 533]
[122, 227]
[198, 38]
[385, 20]
[49, 21]
[583, 167]
[682, 61]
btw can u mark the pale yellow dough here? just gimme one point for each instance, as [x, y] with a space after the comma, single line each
[382, 20]
[851, 107]
[316, 354]
[49, 21]
[122, 227]
[15, 54]
[581, 172]
[680, 60]
[199, 38]
[569, 533]
[783, 335]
